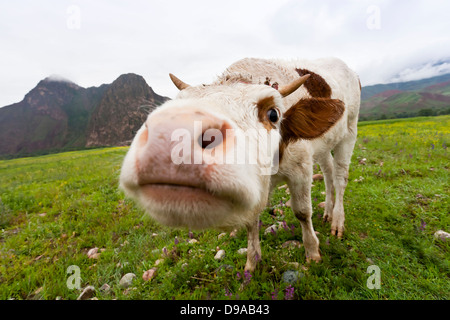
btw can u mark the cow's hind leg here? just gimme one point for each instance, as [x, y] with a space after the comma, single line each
[300, 190]
[341, 162]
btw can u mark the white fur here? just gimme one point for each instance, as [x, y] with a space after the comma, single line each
[232, 99]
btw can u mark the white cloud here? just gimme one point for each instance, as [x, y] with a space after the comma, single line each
[197, 40]
[421, 72]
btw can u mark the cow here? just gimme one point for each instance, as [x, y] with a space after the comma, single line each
[306, 108]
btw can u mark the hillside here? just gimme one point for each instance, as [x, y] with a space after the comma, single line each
[59, 115]
[406, 99]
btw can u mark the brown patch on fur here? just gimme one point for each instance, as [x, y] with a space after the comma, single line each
[263, 106]
[281, 149]
[310, 118]
[316, 85]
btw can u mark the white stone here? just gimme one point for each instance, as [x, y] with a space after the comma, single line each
[242, 251]
[442, 235]
[219, 255]
[126, 280]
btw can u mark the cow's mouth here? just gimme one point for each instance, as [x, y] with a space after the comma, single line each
[179, 192]
[185, 205]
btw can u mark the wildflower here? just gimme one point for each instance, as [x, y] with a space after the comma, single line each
[191, 235]
[285, 226]
[238, 275]
[444, 145]
[273, 231]
[289, 293]
[422, 225]
[274, 294]
[247, 276]
[176, 241]
[293, 229]
[257, 258]
[432, 146]
[228, 293]
[165, 250]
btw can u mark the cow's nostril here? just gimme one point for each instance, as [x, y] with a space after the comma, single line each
[210, 138]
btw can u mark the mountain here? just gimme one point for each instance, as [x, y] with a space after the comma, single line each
[429, 96]
[59, 115]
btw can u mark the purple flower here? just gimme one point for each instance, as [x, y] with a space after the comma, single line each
[285, 226]
[432, 146]
[444, 145]
[191, 235]
[257, 258]
[293, 229]
[176, 241]
[238, 275]
[274, 294]
[228, 293]
[410, 155]
[165, 251]
[422, 225]
[273, 231]
[248, 276]
[289, 293]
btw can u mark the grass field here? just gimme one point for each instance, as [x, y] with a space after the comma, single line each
[55, 208]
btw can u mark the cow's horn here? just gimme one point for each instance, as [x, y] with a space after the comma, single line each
[178, 83]
[294, 85]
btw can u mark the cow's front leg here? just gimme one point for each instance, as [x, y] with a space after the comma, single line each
[253, 246]
[301, 205]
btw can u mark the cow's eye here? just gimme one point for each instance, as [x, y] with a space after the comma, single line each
[272, 114]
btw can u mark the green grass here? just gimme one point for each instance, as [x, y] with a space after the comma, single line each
[55, 208]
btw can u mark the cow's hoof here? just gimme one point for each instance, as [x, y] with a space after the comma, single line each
[249, 267]
[328, 215]
[337, 231]
[316, 258]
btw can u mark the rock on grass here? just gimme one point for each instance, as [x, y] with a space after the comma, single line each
[127, 280]
[442, 235]
[149, 274]
[291, 276]
[219, 255]
[87, 293]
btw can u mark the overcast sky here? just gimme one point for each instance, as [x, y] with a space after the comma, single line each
[93, 42]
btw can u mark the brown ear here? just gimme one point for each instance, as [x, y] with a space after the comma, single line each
[310, 118]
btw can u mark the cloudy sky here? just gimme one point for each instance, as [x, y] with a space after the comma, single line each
[94, 41]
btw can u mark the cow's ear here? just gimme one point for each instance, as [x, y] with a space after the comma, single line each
[310, 118]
